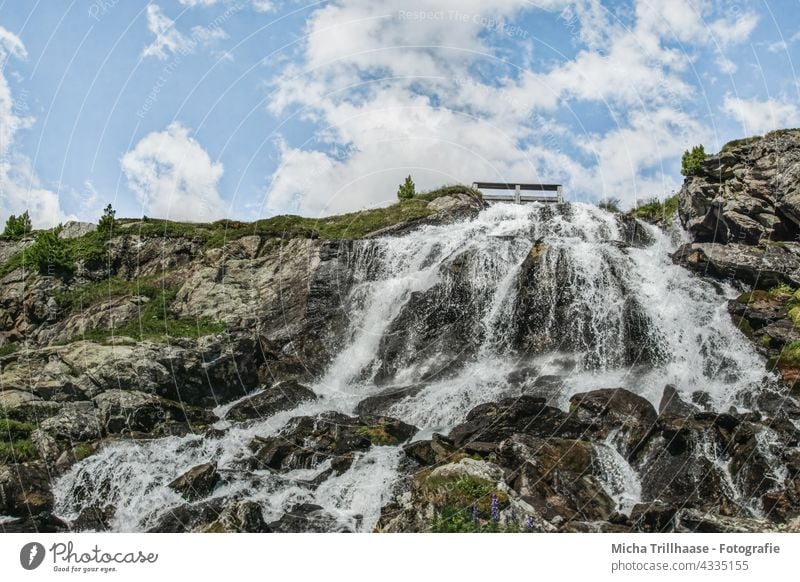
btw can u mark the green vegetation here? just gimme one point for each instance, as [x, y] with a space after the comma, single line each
[156, 322]
[14, 441]
[107, 222]
[657, 211]
[377, 435]
[789, 356]
[83, 450]
[18, 226]
[8, 349]
[610, 205]
[51, 255]
[454, 520]
[781, 290]
[407, 190]
[18, 451]
[735, 143]
[692, 160]
[92, 293]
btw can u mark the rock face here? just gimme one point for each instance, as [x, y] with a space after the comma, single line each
[748, 193]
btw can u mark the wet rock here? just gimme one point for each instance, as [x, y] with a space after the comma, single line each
[653, 517]
[783, 505]
[679, 464]
[496, 421]
[693, 520]
[189, 517]
[382, 402]
[307, 518]
[672, 404]
[25, 489]
[44, 522]
[94, 519]
[616, 412]
[282, 396]
[197, 482]
[241, 517]
[306, 441]
[557, 477]
[133, 411]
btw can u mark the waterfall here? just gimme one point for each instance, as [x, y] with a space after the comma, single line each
[574, 296]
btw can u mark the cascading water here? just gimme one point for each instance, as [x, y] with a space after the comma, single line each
[454, 312]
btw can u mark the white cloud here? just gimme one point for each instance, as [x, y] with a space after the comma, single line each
[168, 38]
[20, 188]
[193, 3]
[170, 41]
[758, 117]
[174, 177]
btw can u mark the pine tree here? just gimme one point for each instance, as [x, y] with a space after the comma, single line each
[18, 226]
[692, 161]
[407, 190]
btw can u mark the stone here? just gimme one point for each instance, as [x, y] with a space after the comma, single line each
[76, 229]
[282, 396]
[307, 518]
[197, 482]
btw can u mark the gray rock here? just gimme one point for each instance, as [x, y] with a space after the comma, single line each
[282, 396]
[197, 482]
[75, 229]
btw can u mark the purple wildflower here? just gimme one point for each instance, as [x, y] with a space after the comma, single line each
[495, 508]
[529, 523]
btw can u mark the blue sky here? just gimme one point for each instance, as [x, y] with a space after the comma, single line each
[202, 109]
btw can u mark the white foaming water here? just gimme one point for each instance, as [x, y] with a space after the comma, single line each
[598, 314]
[619, 479]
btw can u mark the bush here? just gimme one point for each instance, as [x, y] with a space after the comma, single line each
[106, 224]
[610, 205]
[407, 189]
[49, 253]
[656, 211]
[692, 160]
[18, 226]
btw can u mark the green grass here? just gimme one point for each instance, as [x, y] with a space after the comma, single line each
[82, 297]
[19, 451]
[739, 142]
[454, 520]
[12, 430]
[655, 210]
[156, 322]
[8, 349]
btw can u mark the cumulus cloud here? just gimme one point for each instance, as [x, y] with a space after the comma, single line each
[406, 91]
[761, 116]
[20, 187]
[174, 177]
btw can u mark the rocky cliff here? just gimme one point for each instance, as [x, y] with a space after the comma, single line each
[742, 209]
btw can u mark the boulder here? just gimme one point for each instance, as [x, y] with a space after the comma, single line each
[282, 396]
[627, 417]
[241, 517]
[763, 266]
[76, 229]
[307, 441]
[307, 518]
[197, 482]
[25, 489]
[496, 421]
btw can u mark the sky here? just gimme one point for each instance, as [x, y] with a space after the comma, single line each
[205, 109]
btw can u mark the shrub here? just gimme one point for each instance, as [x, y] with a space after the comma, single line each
[407, 190]
[106, 224]
[610, 205]
[655, 210]
[18, 226]
[49, 253]
[692, 160]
